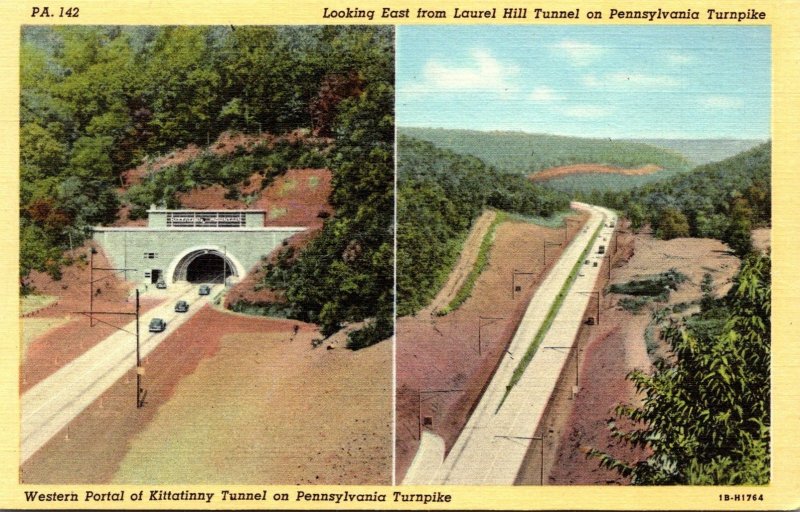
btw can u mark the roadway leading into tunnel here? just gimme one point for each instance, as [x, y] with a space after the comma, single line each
[53, 403]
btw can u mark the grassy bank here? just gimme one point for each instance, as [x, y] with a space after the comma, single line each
[480, 264]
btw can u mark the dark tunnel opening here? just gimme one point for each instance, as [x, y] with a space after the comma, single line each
[208, 268]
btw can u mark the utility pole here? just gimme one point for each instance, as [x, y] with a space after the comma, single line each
[541, 452]
[419, 405]
[514, 275]
[491, 321]
[577, 358]
[92, 280]
[140, 393]
[567, 220]
[598, 303]
[545, 245]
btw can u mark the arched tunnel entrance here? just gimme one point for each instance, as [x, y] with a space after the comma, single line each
[205, 266]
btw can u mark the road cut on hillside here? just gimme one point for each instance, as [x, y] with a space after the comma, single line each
[493, 444]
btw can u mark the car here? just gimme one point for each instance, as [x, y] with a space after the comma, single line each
[204, 290]
[181, 306]
[161, 285]
[157, 325]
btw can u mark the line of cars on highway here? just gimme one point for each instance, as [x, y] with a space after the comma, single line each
[160, 325]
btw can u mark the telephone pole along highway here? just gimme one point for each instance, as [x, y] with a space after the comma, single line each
[51, 404]
[493, 444]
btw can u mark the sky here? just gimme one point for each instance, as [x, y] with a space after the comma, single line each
[644, 81]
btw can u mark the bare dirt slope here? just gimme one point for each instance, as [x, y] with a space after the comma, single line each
[234, 399]
[762, 239]
[68, 334]
[616, 346]
[440, 373]
[294, 199]
[466, 261]
[569, 170]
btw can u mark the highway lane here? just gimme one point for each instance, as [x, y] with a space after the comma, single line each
[493, 444]
[52, 403]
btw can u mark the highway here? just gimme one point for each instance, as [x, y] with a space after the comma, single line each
[493, 444]
[51, 404]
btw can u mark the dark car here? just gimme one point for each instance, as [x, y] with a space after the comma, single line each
[157, 325]
[204, 290]
[181, 306]
[161, 285]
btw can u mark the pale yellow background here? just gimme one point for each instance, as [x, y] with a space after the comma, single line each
[783, 493]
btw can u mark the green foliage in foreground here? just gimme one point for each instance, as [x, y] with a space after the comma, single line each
[705, 417]
[480, 263]
[440, 194]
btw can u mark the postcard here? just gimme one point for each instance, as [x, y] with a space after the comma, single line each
[399, 256]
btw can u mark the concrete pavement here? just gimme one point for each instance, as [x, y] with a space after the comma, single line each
[493, 444]
[52, 403]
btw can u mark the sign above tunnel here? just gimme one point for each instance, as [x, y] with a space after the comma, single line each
[206, 218]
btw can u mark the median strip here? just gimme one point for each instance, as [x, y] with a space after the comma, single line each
[548, 321]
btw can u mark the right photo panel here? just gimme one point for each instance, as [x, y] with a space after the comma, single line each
[583, 255]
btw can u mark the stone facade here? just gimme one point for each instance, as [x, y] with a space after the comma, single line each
[162, 252]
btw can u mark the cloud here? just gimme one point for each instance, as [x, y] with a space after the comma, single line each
[592, 81]
[629, 81]
[579, 54]
[484, 73]
[679, 58]
[641, 80]
[587, 111]
[545, 94]
[721, 102]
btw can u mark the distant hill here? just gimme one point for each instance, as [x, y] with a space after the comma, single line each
[527, 153]
[703, 151]
[723, 200]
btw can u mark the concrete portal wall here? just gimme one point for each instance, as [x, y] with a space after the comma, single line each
[146, 249]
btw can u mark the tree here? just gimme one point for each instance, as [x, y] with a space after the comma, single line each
[672, 224]
[41, 153]
[705, 416]
[91, 158]
[637, 216]
[737, 235]
[707, 287]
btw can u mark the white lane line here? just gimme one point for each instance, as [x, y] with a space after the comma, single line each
[76, 388]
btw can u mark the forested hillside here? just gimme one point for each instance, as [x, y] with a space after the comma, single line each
[96, 101]
[722, 200]
[440, 193]
[703, 151]
[526, 153]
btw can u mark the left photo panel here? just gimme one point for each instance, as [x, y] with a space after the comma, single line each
[206, 265]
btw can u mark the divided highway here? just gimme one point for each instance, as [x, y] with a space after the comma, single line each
[493, 444]
[52, 403]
